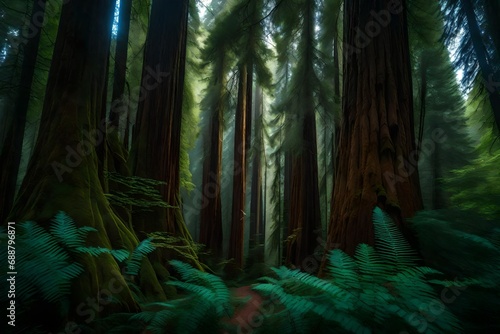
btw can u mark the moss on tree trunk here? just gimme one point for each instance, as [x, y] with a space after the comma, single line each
[63, 173]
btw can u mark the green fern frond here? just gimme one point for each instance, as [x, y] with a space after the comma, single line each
[213, 286]
[45, 268]
[371, 266]
[343, 270]
[207, 301]
[160, 321]
[67, 233]
[391, 246]
[120, 254]
[134, 263]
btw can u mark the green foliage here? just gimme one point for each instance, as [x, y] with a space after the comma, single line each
[380, 290]
[182, 247]
[45, 260]
[135, 260]
[460, 243]
[392, 247]
[466, 247]
[439, 104]
[200, 311]
[466, 58]
[477, 186]
[140, 193]
[190, 109]
[44, 266]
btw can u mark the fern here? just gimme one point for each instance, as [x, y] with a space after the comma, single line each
[200, 311]
[43, 266]
[379, 290]
[46, 261]
[134, 262]
[465, 247]
[140, 194]
[216, 289]
[65, 231]
[391, 246]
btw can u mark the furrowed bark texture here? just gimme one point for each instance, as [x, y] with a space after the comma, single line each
[256, 212]
[63, 173]
[211, 209]
[239, 172]
[304, 220]
[156, 149]
[377, 131]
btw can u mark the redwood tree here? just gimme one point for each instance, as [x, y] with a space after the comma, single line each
[215, 103]
[376, 164]
[157, 137]
[240, 171]
[120, 61]
[252, 53]
[63, 173]
[11, 149]
[304, 219]
[256, 205]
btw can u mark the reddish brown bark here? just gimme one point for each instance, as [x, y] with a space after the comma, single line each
[63, 171]
[156, 149]
[210, 213]
[256, 219]
[304, 220]
[239, 172]
[377, 131]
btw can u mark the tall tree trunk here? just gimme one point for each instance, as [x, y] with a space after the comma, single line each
[249, 105]
[484, 60]
[492, 14]
[377, 132]
[63, 171]
[211, 210]
[256, 221]
[438, 201]
[304, 211]
[304, 220]
[236, 240]
[287, 186]
[156, 149]
[12, 147]
[120, 63]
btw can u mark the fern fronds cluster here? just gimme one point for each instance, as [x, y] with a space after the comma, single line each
[47, 261]
[139, 194]
[465, 246]
[182, 247]
[380, 290]
[207, 301]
